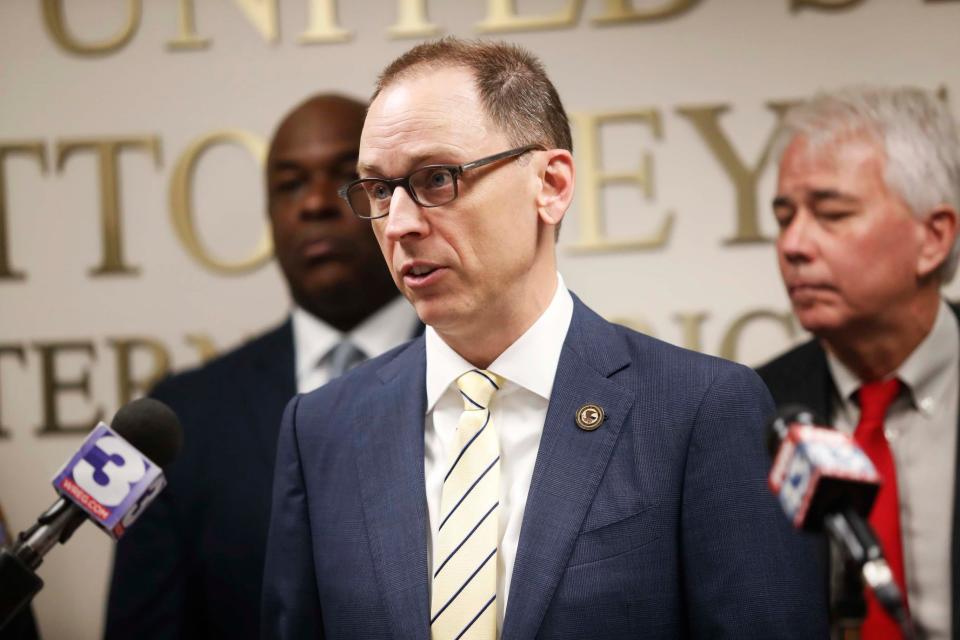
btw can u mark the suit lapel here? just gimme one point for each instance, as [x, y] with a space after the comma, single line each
[269, 381]
[569, 466]
[821, 387]
[389, 441]
[268, 384]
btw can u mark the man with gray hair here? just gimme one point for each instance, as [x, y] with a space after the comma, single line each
[867, 200]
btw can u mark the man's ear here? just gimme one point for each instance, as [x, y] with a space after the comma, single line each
[939, 235]
[556, 186]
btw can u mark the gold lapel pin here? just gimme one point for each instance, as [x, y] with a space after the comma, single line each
[589, 417]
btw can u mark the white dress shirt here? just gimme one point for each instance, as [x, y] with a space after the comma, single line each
[314, 340]
[921, 427]
[518, 411]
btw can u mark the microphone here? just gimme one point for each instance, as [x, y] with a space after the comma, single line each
[114, 475]
[817, 470]
[824, 481]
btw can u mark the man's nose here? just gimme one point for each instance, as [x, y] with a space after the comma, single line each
[320, 197]
[797, 240]
[406, 217]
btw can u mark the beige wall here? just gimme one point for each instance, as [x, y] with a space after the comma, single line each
[685, 253]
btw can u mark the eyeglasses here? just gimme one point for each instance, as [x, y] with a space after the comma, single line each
[430, 186]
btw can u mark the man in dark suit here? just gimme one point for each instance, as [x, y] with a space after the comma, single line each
[193, 565]
[867, 200]
[635, 468]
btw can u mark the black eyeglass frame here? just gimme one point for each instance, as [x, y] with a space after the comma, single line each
[456, 171]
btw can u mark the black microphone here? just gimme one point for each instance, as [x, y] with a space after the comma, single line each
[825, 482]
[114, 475]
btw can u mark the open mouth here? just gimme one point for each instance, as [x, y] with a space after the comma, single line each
[421, 274]
[422, 270]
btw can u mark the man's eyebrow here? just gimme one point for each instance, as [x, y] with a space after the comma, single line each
[781, 201]
[421, 159]
[830, 194]
[363, 167]
[348, 156]
[285, 165]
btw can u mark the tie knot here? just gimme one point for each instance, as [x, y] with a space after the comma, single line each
[345, 356]
[477, 387]
[876, 397]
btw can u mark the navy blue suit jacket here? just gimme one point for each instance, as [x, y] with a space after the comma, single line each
[656, 525]
[192, 565]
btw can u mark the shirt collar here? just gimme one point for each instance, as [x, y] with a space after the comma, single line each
[530, 362]
[313, 338]
[923, 373]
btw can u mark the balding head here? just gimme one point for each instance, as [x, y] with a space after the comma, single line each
[319, 117]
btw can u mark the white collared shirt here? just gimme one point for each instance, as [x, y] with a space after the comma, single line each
[314, 340]
[921, 427]
[518, 412]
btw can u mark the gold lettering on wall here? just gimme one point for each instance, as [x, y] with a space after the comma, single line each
[57, 28]
[20, 354]
[204, 345]
[108, 151]
[502, 17]
[620, 11]
[592, 235]
[262, 14]
[32, 148]
[53, 386]
[637, 324]
[706, 121]
[691, 329]
[324, 26]
[412, 21]
[129, 387]
[730, 344]
[187, 37]
[181, 201]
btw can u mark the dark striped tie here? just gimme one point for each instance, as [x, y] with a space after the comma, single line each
[465, 566]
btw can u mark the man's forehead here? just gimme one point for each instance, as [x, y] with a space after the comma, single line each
[316, 142]
[833, 150]
[424, 116]
[444, 99]
[844, 167]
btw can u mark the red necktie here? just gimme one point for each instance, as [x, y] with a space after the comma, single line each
[875, 398]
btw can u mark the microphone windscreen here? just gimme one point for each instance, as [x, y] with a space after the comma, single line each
[152, 427]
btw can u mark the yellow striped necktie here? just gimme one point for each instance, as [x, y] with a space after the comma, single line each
[463, 601]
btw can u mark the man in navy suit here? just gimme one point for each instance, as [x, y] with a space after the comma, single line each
[193, 565]
[629, 495]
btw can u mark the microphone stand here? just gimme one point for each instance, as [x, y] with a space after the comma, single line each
[18, 585]
[848, 608]
[18, 581]
[864, 556]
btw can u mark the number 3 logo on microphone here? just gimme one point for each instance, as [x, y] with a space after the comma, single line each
[108, 470]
